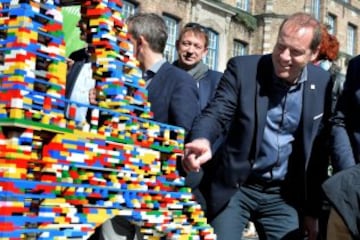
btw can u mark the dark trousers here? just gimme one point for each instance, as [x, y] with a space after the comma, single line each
[116, 228]
[273, 217]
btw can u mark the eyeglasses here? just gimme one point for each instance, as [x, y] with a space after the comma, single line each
[197, 27]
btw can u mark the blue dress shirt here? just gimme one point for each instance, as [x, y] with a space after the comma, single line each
[282, 120]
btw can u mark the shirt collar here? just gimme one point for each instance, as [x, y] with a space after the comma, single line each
[156, 66]
[302, 78]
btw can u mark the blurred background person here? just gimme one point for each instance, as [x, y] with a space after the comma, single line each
[326, 59]
[342, 189]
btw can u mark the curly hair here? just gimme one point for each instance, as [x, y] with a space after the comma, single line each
[329, 45]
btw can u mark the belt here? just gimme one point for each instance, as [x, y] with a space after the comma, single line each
[262, 183]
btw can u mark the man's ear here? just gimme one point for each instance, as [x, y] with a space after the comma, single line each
[177, 44]
[314, 54]
[205, 52]
[142, 41]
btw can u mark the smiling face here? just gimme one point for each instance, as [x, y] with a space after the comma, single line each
[292, 51]
[191, 49]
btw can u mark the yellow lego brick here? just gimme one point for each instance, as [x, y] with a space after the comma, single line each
[16, 113]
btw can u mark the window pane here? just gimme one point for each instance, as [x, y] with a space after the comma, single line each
[315, 8]
[243, 4]
[332, 24]
[351, 39]
[240, 48]
[211, 57]
[128, 9]
[170, 49]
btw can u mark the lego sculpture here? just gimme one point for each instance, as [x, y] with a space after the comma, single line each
[60, 178]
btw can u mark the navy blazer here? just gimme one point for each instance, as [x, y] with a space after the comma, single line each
[207, 87]
[345, 134]
[173, 96]
[239, 107]
[343, 192]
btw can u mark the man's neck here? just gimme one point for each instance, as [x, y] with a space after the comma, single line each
[150, 59]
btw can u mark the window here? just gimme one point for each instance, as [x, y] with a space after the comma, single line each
[351, 39]
[211, 57]
[315, 8]
[243, 5]
[240, 48]
[173, 28]
[331, 21]
[129, 9]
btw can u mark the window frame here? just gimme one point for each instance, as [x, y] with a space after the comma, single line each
[173, 32]
[213, 46]
[332, 23]
[243, 5]
[351, 40]
[316, 8]
[243, 48]
[129, 8]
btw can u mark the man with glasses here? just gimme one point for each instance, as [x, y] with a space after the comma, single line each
[192, 47]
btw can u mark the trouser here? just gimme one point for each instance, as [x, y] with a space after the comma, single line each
[273, 217]
[337, 229]
[116, 228]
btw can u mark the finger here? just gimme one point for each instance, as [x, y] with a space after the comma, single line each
[190, 162]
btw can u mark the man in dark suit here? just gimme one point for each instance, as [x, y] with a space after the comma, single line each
[172, 92]
[273, 108]
[192, 47]
[345, 134]
[342, 189]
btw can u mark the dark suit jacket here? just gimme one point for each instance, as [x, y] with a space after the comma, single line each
[346, 130]
[173, 95]
[207, 87]
[240, 106]
[343, 192]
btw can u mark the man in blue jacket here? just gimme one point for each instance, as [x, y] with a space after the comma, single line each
[273, 108]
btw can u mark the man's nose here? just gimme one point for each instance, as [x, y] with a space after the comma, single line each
[191, 48]
[285, 54]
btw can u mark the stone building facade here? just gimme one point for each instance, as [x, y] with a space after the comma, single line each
[254, 24]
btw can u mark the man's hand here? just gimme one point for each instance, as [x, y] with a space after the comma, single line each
[92, 96]
[197, 153]
[311, 227]
[69, 63]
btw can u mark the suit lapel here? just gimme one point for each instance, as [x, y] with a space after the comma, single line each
[204, 91]
[309, 96]
[263, 81]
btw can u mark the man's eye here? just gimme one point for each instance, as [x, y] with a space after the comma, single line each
[281, 47]
[295, 53]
